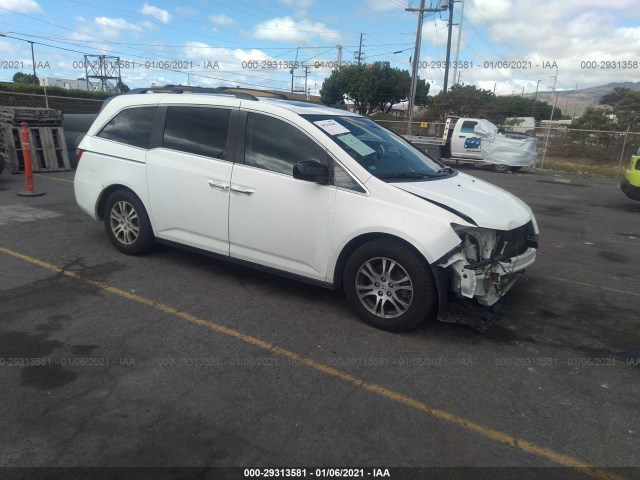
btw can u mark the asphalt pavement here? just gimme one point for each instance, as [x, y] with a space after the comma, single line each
[173, 359]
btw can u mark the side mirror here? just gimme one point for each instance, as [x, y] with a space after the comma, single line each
[311, 171]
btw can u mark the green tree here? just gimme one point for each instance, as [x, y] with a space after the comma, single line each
[29, 79]
[371, 87]
[465, 101]
[598, 119]
[471, 101]
[624, 103]
[122, 88]
[594, 118]
[515, 106]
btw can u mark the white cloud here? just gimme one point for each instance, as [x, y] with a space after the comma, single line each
[568, 33]
[185, 11]
[381, 5]
[302, 4]
[107, 28]
[221, 19]
[158, 13]
[117, 24]
[285, 29]
[231, 67]
[21, 6]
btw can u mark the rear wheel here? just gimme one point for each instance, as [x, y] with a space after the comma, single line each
[127, 223]
[389, 285]
[501, 168]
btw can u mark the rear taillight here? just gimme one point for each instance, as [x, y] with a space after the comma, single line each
[79, 153]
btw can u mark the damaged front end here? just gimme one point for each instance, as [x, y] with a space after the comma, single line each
[475, 277]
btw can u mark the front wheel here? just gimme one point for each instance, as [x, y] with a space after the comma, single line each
[127, 223]
[389, 285]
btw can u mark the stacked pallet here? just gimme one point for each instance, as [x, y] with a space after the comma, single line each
[46, 137]
[35, 116]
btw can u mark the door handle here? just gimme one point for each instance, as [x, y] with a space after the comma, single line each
[243, 190]
[215, 184]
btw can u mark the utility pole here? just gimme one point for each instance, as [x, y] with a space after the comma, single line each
[360, 51]
[339, 62]
[416, 58]
[455, 63]
[446, 65]
[33, 61]
[306, 75]
[416, 61]
[293, 69]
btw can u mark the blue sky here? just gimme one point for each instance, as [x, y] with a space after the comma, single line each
[211, 42]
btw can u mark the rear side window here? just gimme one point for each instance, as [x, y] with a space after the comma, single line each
[197, 130]
[275, 145]
[131, 126]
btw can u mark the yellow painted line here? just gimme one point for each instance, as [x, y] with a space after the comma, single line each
[589, 285]
[52, 178]
[389, 394]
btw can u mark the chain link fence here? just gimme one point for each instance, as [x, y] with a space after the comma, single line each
[557, 146]
[64, 104]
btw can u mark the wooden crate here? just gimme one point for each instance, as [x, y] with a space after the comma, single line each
[48, 148]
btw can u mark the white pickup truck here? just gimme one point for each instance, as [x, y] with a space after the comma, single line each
[478, 140]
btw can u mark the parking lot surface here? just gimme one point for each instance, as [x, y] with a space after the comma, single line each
[176, 359]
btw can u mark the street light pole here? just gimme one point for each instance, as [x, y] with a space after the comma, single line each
[546, 142]
[533, 111]
[455, 62]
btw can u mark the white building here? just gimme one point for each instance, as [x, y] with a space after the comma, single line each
[521, 124]
[65, 83]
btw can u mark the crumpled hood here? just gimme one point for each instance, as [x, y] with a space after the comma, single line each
[488, 205]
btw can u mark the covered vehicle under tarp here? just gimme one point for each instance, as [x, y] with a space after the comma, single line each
[514, 149]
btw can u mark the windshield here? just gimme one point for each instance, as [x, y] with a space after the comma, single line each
[383, 153]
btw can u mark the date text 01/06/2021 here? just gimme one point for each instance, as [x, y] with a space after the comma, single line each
[317, 472]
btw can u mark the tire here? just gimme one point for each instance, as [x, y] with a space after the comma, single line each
[501, 168]
[402, 309]
[127, 223]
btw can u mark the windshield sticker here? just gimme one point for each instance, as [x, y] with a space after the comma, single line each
[360, 147]
[331, 127]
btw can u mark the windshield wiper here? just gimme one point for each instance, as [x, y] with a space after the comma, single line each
[446, 169]
[406, 175]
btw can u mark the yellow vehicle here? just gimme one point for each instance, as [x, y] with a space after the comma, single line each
[630, 183]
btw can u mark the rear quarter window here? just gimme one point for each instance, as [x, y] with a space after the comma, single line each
[131, 126]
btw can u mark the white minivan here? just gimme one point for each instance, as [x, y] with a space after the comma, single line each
[315, 193]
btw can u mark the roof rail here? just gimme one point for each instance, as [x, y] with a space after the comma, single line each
[242, 93]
